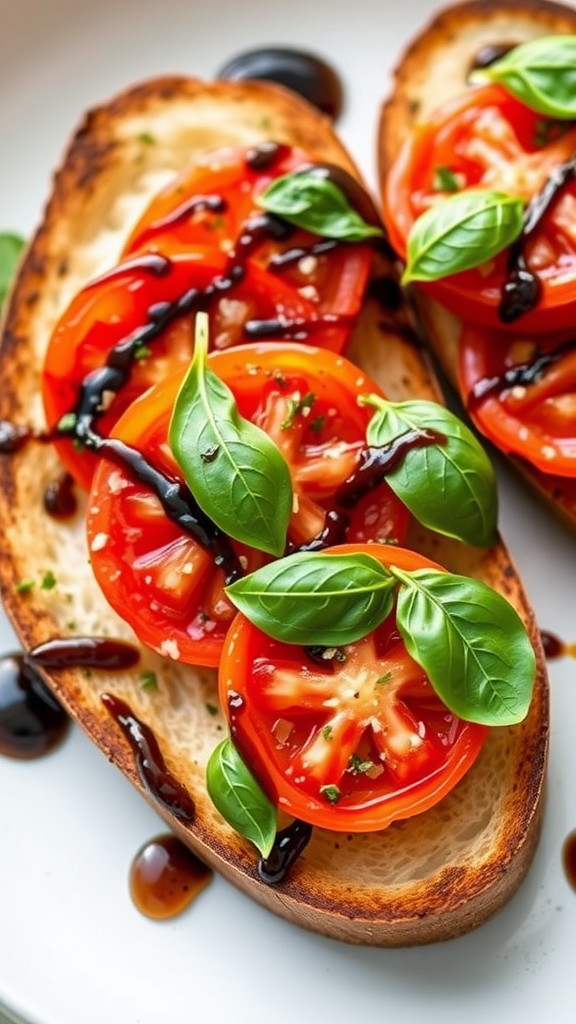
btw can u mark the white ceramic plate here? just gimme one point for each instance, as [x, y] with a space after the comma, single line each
[73, 950]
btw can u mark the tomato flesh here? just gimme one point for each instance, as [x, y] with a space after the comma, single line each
[349, 740]
[162, 580]
[535, 420]
[486, 138]
[224, 258]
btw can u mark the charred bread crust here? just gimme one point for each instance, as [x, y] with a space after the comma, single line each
[427, 879]
[433, 69]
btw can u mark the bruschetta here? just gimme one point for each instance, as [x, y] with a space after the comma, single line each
[426, 876]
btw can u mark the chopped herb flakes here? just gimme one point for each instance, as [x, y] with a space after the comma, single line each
[149, 681]
[332, 793]
[297, 407]
[24, 586]
[445, 180]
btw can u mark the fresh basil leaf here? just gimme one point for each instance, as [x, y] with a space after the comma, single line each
[239, 798]
[541, 73]
[460, 232]
[450, 486]
[11, 246]
[316, 598]
[235, 471]
[318, 205]
[471, 643]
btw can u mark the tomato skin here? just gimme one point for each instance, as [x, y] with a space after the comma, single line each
[488, 139]
[535, 421]
[159, 578]
[301, 735]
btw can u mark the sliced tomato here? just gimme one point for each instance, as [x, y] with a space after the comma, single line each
[520, 390]
[212, 204]
[165, 582]
[487, 139]
[209, 203]
[349, 739]
[120, 307]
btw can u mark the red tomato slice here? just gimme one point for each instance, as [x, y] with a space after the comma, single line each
[163, 581]
[116, 307]
[351, 743]
[520, 390]
[212, 204]
[486, 138]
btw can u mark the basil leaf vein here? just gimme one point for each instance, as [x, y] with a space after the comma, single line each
[318, 205]
[461, 231]
[239, 797]
[234, 470]
[541, 73]
[316, 598]
[450, 487]
[471, 643]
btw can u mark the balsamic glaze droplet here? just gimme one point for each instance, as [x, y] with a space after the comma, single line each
[12, 436]
[32, 722]
[59, 498]
[489, 54]
[304, 73]
[165, 876]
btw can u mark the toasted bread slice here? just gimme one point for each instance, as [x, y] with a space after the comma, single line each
[430, 878]
[433, 69]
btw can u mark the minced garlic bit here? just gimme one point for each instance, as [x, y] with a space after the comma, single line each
[309, 292]
[307, 265]
[170, 649]
[281, 730]
[117, 482]
[100, 541]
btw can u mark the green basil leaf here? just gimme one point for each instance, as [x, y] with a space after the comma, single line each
[11, 246]
[541, 73]
[471, 643]
[239, 797]
[450, 486]
[460, 232]
[235, 471]
[318, 205]
[316, 598]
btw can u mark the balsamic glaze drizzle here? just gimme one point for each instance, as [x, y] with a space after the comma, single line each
[150, 763]
[178, 502]
[522, 289]
[334, 530]
[377, 461]
[521, 375]
[288, 845]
